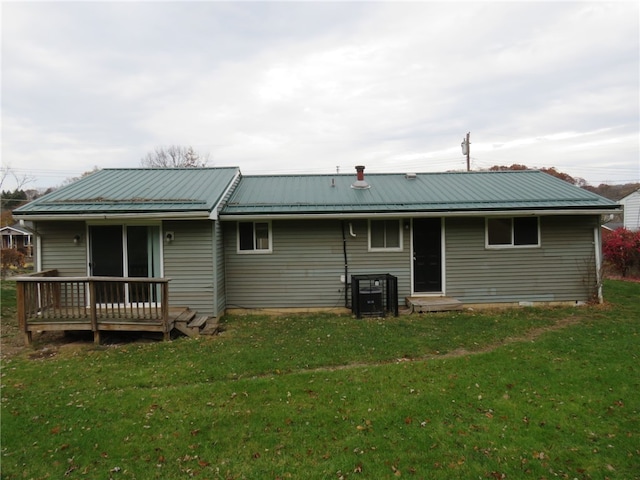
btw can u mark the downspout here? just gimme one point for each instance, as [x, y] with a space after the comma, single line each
[38, 253]
[346, 266]
[597, 236]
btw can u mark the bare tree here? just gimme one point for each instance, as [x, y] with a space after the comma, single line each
[7, 172]
[174, 156]
[70, 180]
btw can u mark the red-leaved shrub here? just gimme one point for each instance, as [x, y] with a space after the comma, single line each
[622, 249]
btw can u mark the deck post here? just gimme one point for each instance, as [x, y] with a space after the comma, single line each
[22, 313]
[165, 311]
[93, 312]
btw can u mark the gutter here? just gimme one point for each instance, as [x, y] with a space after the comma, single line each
[198, 215]
[417, 214]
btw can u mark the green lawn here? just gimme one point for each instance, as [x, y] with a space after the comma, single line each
[527, 393]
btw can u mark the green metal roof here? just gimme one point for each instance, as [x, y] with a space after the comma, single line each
[137, 191]
[391, 193]
[192, 192]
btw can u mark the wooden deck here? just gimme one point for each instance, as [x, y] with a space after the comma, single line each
[47, 302]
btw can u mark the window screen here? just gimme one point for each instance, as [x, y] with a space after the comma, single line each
[513, 231]
[384, 233]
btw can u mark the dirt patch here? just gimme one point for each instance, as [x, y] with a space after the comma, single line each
[46, 345]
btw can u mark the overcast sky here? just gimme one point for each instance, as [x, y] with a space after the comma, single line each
[306, 87]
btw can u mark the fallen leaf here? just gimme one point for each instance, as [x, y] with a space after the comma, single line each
[496, 475]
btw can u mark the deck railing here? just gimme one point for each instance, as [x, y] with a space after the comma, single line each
[49, 302]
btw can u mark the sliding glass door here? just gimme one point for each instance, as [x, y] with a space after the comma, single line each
[143, 260]
[124, 251]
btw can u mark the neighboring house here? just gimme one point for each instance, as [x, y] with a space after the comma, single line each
[631, 215]
[18, 238]
[293, 241]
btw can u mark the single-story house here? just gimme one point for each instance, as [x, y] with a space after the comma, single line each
[17, 237]
[631, 215]
[229, 241]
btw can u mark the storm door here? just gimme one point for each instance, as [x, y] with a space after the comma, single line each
[427, 255]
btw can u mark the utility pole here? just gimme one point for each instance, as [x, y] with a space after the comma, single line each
[466, 150]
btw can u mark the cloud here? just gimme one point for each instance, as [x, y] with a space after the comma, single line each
[305, 87]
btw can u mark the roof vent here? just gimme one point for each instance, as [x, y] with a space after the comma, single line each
[410, 176]
[360, 182]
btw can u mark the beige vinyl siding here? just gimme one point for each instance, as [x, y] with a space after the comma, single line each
[305, 265]
[189, 263]
[561, 269]
[58, 249]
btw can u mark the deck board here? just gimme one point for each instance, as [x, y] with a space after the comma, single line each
[433, 304]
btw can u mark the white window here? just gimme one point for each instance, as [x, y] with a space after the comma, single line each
[385, 235]
[254, 237]
[513, 232]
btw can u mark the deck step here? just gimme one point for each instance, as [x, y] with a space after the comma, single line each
[190, 323]
[189, 332]
[198, 322]
[212, 326]
[186, 315]
[433, 304]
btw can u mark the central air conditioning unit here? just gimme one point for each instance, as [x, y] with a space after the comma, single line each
[374, 295]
